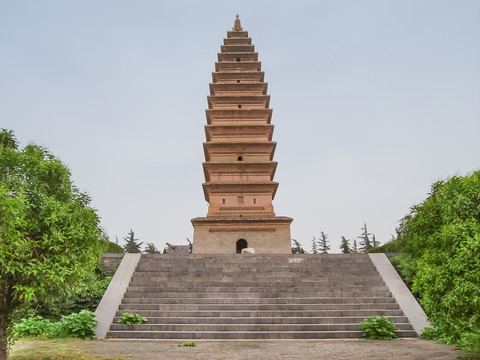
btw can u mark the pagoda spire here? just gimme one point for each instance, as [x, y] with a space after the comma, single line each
[237, 26]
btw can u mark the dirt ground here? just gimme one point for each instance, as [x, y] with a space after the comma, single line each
[282, 349]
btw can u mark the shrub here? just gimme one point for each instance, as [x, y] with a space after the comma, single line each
[470, 341]
[132, 319]
[36, 326]
[188, 344]
[81, 325]
[378, 327]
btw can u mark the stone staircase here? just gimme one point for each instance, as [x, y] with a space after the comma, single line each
[255, 297]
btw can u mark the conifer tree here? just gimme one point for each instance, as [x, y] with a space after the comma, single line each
[355, 247]
[297, 248]
[375, 243]
[151, 249]
[365, 243]
[131, 244]
[323, 246]
[345, 246]
[314, 246]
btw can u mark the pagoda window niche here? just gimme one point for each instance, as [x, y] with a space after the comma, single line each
[241, 244]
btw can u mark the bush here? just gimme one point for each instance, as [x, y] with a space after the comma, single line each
[378, 327]
[470, 341]
[132, 319]
[188, 344]
[85, 295]
[81, 325]
[36, 326]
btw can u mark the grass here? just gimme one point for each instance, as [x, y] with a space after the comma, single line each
[52, 349]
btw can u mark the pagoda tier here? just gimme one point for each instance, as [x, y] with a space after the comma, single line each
[240, 117]
[239, 167]
[228, 152]
[238, 77]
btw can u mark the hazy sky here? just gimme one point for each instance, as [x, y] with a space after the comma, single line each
[372, 102]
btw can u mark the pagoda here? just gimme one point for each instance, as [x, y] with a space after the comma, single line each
[239, 166]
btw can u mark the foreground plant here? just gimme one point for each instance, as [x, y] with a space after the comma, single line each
[77, 325]
[188, 344]
[132, 319]
[49, 234]
[378, 327]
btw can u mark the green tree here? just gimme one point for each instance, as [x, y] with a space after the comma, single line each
[297, 247]
[49, 235]
[131, 244]
[314, 246]
[355, 247]
[108, 246]
[440, 244]
[375, 243]
[190, 245]
[345, 246]
[323, 246]
[151, 249]
[365, 243]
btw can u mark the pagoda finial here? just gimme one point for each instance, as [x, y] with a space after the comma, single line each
[237, 26]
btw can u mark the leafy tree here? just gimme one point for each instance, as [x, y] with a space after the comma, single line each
[297, 247]
[49, 235]
[345, 246]
[151, 249]
[365, 243]
[323, 246]
[314, 246]
[440, 244]
[131, 244]
[108, 246]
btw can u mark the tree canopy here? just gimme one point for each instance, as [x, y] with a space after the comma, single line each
[131, 244]
[440, 244]
[49, 234]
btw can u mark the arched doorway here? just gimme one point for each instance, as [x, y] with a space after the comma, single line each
[241, 244]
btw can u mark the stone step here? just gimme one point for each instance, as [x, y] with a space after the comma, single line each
[180, 335]
[237, 301]
[257, 307]
[239, 278]
[245, 327]
[255, 277]
[234, 295]
[264, 320]
[298, 289]
[264, 284]
[347, 268]
[266, 313]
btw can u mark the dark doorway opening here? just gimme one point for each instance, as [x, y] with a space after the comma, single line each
[241, 244]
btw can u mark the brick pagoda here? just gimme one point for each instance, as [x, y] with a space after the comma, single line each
[239, 166]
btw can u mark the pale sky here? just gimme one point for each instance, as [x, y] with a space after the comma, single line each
[373, 101]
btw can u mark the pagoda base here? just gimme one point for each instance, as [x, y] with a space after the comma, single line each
[212, 235]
